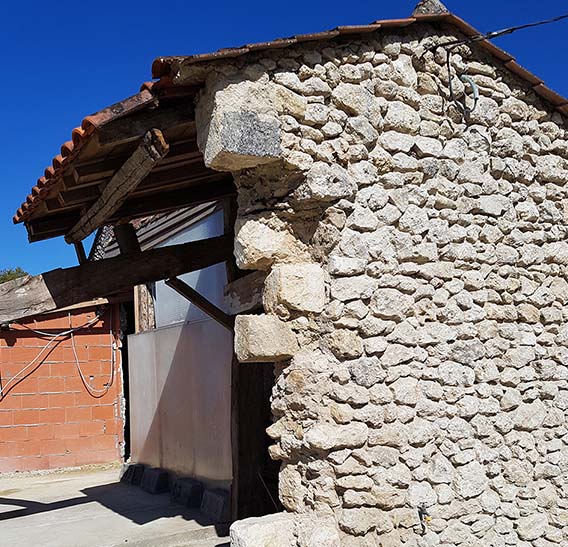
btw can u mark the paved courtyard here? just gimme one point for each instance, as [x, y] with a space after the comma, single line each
[91, 508]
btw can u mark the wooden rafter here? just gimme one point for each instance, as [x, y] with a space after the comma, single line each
[150, 151]
[132, 127]
[29, 295]
[201, 302]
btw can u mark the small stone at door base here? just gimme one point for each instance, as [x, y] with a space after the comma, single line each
[216, 506]
[132, 473]
[188, 492]
[155, 480]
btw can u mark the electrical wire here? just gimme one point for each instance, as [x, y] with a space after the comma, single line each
[17, 378]
[450, 46]
[504, 32]
[65, 332]
[57, 338]
[96, 393]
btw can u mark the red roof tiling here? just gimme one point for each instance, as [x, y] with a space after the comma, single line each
[79, 137]
[164, 69]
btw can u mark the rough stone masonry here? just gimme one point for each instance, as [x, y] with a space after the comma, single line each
[416, 292]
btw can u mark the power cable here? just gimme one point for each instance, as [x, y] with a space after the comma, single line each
[96, 393]
[450, 46]
[504, 32]
[56, 338]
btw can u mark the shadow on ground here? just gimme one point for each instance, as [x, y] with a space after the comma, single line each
[129, 501]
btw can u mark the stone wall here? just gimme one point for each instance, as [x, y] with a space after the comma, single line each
[417, 286]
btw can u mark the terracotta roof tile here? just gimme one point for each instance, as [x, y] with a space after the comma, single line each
[551, 96]
[163, 70]
[163, 67]
[79, 137]
[515, 67]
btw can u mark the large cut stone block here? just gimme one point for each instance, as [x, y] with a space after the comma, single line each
[261, 338]
[237, 124]
[296, 286]
[317, 531]
[286, 530]
[262, 240]
[274, 530]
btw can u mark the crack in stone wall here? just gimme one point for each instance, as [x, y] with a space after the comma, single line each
[418, 280]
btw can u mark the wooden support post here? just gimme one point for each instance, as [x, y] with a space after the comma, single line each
[144, 312]
[33, 295]
[126, 238]
[151, 150]
[80, 250]
[201, 302]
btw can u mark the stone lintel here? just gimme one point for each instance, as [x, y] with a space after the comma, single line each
[237, 124]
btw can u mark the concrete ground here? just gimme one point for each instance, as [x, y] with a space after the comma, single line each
[90, 508]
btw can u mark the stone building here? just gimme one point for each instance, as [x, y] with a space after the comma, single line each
[403, 187]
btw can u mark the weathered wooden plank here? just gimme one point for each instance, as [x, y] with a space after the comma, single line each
[201, 302]
[175, 199]
[150, 151]
[132, 127]
[218, 187]
[245, 294]
[32, 295]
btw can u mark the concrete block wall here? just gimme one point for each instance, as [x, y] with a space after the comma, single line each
[48, 419]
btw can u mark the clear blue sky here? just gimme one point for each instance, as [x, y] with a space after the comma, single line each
[63, 60]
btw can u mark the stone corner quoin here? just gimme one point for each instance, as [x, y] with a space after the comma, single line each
[416, 289]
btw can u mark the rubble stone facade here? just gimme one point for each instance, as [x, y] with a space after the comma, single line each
[416, 296]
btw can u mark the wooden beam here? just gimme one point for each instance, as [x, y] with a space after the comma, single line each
[201, 302]
[175, 199]
[126, 238]
[218, 187]
[80, 250]
[245, 294]
[64, 287]
[150, 151]
[132, 127]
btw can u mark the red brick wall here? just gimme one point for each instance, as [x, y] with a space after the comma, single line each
[48, 419]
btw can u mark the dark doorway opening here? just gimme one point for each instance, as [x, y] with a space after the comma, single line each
[255, 481]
